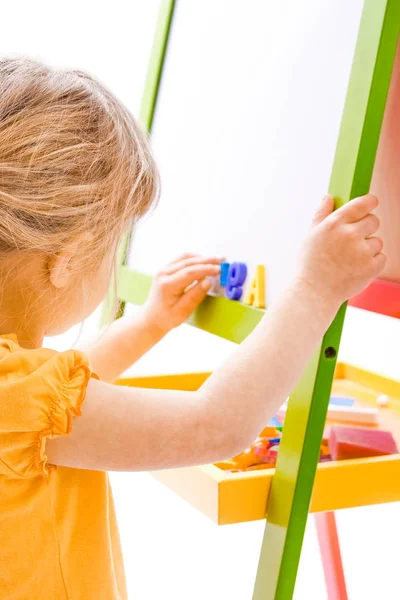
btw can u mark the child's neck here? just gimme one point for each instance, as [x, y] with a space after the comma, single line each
[19, 301]
[27, 337]
[17, 318]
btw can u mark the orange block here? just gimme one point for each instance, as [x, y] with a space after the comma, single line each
[269, 432]
[324, 450]
[226, 465]
[266, 465]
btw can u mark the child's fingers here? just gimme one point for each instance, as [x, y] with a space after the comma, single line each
[194, 261]
[178, 282]
[367, 226]
[357, 209]
[192, 298]
[380, 262]
[325, 209]
[183, 257]
[375, 245]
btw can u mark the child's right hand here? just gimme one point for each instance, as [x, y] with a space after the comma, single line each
[341, 256]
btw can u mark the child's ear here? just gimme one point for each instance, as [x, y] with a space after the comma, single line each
[61, 265]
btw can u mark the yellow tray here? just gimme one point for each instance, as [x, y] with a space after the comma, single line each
[238, 497]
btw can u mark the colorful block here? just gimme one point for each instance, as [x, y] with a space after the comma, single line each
[274, 441]
[255, 295]
[353, 414]
[339, 401]
[324, 450]
[255, 454]
[354, 442]
[345, 414]
[325, 458]
[269, 432]
[269, 464]
[325, 436]
[226, 465]
[273, 451]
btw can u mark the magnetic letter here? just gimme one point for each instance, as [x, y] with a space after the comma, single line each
[236, 277]
[255, 295]
[224, 273]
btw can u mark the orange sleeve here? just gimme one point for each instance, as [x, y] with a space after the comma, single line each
[40, 391]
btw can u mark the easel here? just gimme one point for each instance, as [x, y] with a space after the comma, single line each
[292, 485]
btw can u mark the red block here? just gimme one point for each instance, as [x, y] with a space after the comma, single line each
[354, 442]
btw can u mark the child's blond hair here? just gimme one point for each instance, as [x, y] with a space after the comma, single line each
[73, 161]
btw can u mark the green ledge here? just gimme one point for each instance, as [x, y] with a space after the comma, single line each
[228, 319]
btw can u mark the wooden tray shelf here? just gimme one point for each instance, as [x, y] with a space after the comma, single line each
[238, 497]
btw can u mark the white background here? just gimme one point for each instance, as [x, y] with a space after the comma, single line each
[246, 127]
[170, 550]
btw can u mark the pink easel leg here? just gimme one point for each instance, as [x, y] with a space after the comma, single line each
[330, 553]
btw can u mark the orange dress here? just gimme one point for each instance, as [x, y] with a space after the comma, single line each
[58, 531]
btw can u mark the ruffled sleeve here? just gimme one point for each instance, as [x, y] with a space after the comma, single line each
[40, 393]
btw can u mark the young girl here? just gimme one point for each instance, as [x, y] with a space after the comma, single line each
[75, 173]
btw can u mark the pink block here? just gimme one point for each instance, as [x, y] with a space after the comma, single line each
[273, 451]
[354, 442]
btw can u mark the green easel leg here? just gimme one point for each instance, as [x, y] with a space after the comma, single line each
[146, 117]
[305, 419]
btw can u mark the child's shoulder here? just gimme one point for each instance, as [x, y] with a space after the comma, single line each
[17, 363]
[9, 345]
[40, 391]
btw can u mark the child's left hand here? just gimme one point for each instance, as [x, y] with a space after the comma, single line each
[178, 289]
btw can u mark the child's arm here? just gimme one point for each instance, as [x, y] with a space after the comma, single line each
[139, 429]
[169, 304]
[125, 428]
